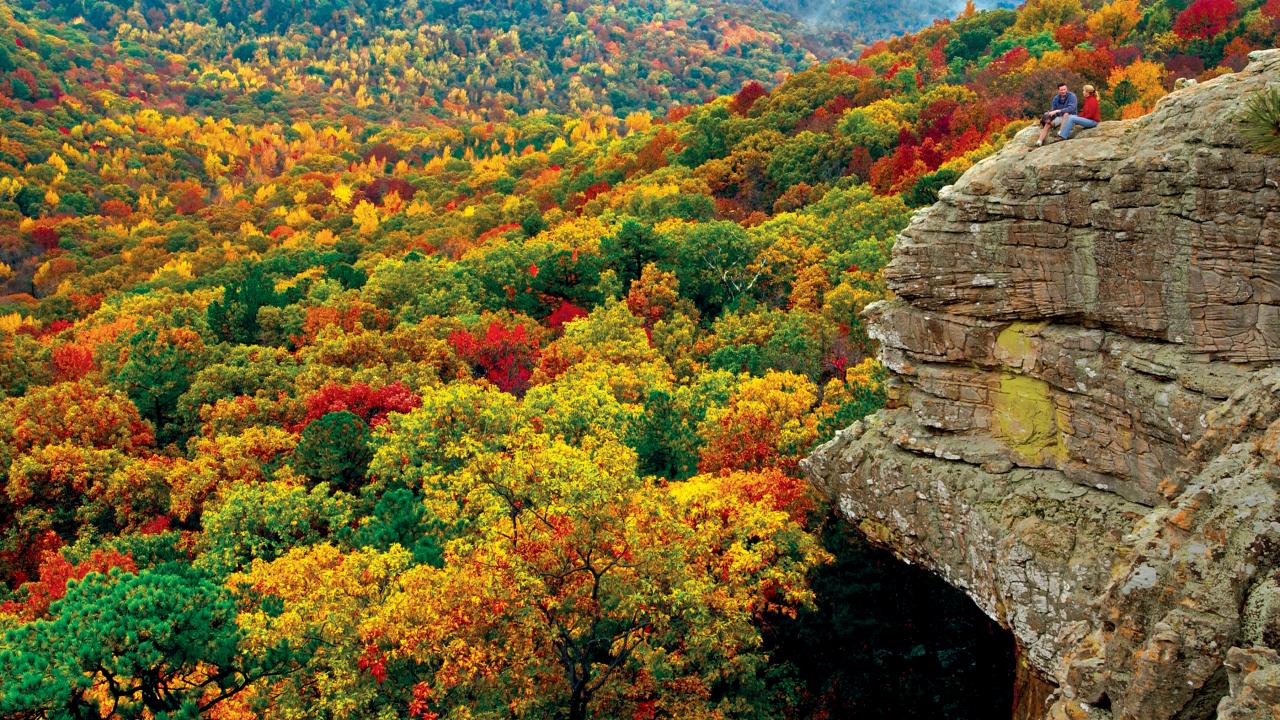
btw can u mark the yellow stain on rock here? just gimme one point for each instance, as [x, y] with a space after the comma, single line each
[1023, 412]
[1015, 346]
[1025, 417]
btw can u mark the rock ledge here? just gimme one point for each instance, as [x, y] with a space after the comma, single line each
[1083, 430]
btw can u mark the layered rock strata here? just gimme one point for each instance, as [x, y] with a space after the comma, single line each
[1083, 430]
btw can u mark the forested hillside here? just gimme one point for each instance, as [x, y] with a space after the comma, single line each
[411, 61]
[358, 388]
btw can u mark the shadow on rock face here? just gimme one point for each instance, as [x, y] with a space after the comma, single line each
[892, 640]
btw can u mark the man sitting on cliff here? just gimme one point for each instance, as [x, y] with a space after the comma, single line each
[1063, 105]
[1089, 116]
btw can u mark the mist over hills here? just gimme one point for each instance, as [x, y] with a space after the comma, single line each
[845, 21]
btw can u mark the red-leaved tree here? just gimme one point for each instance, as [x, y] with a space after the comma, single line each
[1205, 18]
[361, 400]
[72, 362]
[746, 97]
[505, 355]
[54, 573]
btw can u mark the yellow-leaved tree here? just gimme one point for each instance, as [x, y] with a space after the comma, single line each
[1147, 81]
[312, 600]
[1038, 15]
[1114, 21]
[576, 588]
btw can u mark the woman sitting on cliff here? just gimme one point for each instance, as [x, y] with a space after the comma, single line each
[1089, 115]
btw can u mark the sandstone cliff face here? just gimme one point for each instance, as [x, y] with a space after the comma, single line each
[1084, 426]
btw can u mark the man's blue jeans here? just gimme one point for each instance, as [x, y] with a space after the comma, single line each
[1071, 122]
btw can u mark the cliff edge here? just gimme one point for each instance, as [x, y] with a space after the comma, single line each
[1083, 430]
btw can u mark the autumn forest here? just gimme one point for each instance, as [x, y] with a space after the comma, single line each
[449, 360]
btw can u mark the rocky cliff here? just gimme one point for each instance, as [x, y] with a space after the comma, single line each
[1083, 430]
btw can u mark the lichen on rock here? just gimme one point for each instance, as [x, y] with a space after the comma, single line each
[1083, 430]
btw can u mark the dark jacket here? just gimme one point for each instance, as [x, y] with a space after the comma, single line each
[1067, 103]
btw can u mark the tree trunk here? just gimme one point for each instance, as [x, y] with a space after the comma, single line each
[580, 697]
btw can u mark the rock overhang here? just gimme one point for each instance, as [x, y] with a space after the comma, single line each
[1083, 419]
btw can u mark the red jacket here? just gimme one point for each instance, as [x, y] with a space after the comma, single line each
[1090, 109]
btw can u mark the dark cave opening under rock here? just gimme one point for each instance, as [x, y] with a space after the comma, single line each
[892, 640]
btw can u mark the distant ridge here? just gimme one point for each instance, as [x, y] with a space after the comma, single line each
[869, 20]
